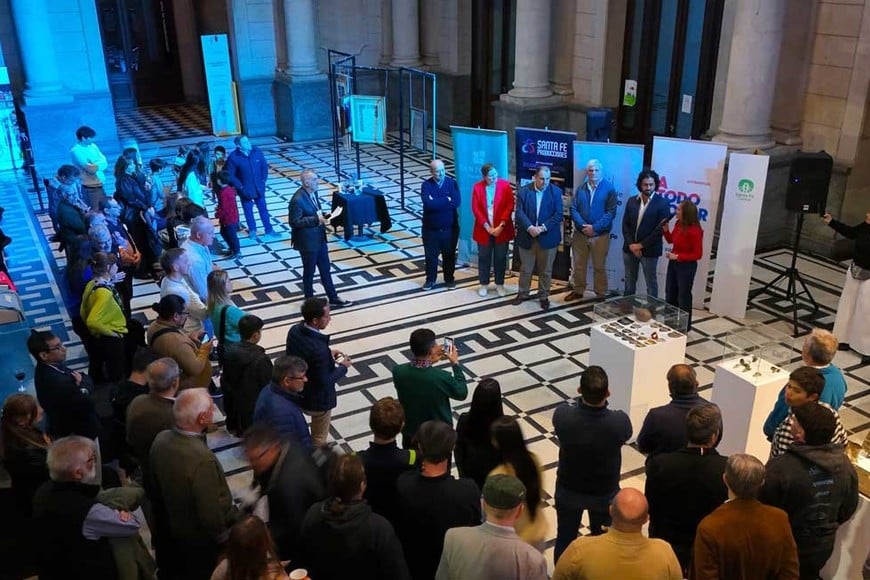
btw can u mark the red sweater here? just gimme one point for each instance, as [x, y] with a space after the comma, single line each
[688, 242]
[227, 209]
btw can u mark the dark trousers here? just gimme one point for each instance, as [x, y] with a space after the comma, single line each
[570, 506]
[491, 256]
[111, 354]
[678, 286]
[90, 345]
[248, 207]
[318, 258]
[441, 242]
[230, 234]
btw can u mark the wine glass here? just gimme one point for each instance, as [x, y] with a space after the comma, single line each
[20, 375]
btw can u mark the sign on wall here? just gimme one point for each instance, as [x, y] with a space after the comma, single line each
[222, 102]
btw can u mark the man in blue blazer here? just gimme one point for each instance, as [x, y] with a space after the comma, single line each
[593, 210]
[642, 233]
[308, 234]
[539, 231]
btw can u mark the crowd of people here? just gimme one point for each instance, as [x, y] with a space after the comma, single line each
[85, 485]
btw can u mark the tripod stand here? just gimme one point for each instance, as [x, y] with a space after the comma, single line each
[794, 278]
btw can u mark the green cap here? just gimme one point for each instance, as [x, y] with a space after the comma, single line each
[503, 492]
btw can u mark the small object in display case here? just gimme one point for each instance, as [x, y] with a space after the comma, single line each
[760, 350]
[642, 312]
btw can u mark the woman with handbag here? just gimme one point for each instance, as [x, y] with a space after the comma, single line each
[102, 313]
[852, 325]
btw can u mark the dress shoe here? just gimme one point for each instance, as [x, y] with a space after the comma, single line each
[573, 296]
[517, 300]
[844, 346]
[450, 285]
[545, 303]
[428, 285]
[340, 303]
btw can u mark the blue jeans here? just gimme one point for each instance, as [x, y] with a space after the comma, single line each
[678, 286]
[491, 256]
[318, 258]
[248, 207]
[649, 274]
[441, 242]
[570, 506]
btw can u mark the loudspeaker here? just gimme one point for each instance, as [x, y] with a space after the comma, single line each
[808, 182]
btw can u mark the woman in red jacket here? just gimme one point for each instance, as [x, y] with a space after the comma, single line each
[492, 203]
[688, 240]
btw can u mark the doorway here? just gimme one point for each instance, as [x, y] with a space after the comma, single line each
[141, 51]
[668, 69]
[492, 56]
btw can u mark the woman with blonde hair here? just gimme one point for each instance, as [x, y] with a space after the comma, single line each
[224, 314]
[249, 553]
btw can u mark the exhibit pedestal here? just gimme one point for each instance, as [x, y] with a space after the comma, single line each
[745, 401]
[637, 375]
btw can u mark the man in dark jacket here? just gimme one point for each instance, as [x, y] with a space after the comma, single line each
[430, 501]
[287, 476]
[248, 173]
[440, 196]
[246, 370]
[280, 403]
[325, 365]
[642, 233]
[683, 487]
[591, 437]
[664, 428]
[816, 485]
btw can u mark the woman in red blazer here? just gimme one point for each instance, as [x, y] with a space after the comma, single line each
[492, 203]
[688, 240]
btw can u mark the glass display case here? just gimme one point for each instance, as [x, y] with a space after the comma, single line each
[642, 310]
[759, 351]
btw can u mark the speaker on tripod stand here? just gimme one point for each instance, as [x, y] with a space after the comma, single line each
[807, 192]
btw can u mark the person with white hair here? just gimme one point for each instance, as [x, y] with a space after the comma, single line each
[191, 497]
[197, 247]
[74, 526]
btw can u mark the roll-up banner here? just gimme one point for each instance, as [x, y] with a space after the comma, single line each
[620, 165]
[691, 170]
[738, 232]
[471, 149]
[222, 102]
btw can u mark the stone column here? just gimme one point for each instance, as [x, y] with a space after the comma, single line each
[43, 84]
[794, 70]
[430, 27]
[562, 37]
[386, 32]
[299, 26]
[755, 48]
[406, 33]
[532, 56]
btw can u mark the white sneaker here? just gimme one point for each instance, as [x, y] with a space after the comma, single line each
[482, 291]
[501, 291]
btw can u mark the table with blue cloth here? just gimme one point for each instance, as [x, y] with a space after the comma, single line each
[361, 209]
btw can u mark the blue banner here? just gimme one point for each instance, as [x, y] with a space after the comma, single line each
[555, 149]
[620, 165]
[471, 149]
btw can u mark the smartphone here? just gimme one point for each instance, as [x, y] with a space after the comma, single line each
[447, 344]
[339, 358]
[205, 338]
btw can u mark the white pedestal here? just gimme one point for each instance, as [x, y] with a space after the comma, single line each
[746, 401]
[637, 375]
[851, 546]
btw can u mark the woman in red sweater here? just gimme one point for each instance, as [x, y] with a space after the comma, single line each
[688, 240]
[492, 203]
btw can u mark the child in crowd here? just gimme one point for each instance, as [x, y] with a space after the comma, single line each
[227, 212]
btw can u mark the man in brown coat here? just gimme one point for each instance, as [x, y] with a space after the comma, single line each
[743, 538]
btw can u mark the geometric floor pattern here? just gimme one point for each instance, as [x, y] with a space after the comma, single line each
[536, 356]
[159, 123]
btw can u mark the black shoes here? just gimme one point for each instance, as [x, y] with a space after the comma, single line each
[340, 303]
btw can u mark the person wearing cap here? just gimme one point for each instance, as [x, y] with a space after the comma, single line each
[493, 549]
[623, 551]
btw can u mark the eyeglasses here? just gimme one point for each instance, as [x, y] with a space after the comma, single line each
[56, 347]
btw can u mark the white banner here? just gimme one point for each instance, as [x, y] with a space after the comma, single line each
[219, 84]
[620, 165]
[738, 231]
[691, 170]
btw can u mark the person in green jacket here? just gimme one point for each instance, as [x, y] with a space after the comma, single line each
[425, 391]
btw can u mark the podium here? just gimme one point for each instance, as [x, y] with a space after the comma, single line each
[637, 375]
[745, 401]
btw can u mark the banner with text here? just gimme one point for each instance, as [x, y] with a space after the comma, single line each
[471, 149]
[691, 170]
[620, 165]
[555, 149]
[219, 84]
[738, 232]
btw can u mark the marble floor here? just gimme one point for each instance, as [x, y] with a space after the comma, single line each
[536, 356]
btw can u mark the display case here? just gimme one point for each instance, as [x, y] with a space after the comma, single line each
[641, 320]
[758, 351]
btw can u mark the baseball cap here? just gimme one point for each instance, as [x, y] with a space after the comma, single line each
[503, 492]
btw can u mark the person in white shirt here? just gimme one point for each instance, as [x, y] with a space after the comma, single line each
[176, 264]
[88, 158]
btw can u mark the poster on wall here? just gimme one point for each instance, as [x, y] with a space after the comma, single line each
[10, 151]
[738, 232]
[691, 170]
[620, 164]
[222, 102]
[368, 119]
[471, 149]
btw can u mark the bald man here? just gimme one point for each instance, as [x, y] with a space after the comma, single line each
[664, 428]
[440, 224]
[623, 551]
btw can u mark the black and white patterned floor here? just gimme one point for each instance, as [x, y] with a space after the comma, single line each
[152, 124]
[536, 356]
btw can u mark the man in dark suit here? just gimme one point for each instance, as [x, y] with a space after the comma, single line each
[743, 538]
[308, 224]
[642, 233]
[592, 210]
[539, 231]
